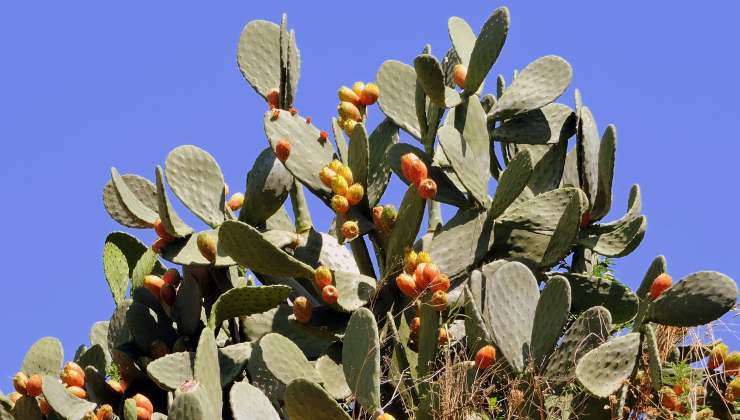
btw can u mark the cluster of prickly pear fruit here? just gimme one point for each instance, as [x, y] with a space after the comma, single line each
[509, 303]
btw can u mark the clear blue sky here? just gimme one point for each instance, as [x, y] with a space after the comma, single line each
[87, 85]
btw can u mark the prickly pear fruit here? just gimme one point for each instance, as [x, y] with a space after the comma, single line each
[427, 189]
[415, 326]
[302, 309]
[440, 282]
[72, 378]
[355, 192]
[669, 400]
[207, 246]
[168, 294]
[424, 257]
[340, 204]
[14, 397]
[357, 88]
[388, 218]
[378, 217]
[346, 173]
[370, 94]
[153, 284]
[413, 168]
[459, 74]
[322, 277]
[349, 126]
[410, 260]
[77, 392]
[327, 175]
[236, 201]
[425, 274]
[348, 95]
[143, 402]
[442, 336]
[162, 232]
[282, 150]
[75, 367]
[717, 356]
[339, 185]
[142, 414]
[585, 219]
[20, 380]
[293, 110]
[44, 406]
[330, 294]
[348, 111]
[733, 390]
[660, 284]
[335, 165]
[273, 97]
[485, 357]
[158, 245]
[439, 301]
[105, 412]
[732, 364]
[385, 416]
[172, 276]
[33, 385]
[350, 230]
[158, 349]
[407, 285]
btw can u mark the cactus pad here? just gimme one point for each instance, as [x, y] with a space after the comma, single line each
[64, 403]
[487, 48]
[246, 301]
[697, 299]
[258, 55]
[248, 402]
[305, 400]
[206, 372]
[589, 291]
[44, 357]
[116, 271]
[361, 358]
[603, 370]
[170, 220]
[397, 82]
[550, 316]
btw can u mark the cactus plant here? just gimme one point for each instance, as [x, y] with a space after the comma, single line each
[273, 318]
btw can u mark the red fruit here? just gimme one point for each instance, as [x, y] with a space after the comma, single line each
[340, 204]
[330, 294]
[282, 150]
[407, 285]
[105, 412]
[485, 357]
[292, 111]
[236, 201]
[425, 274]
[415, 326]
[377, 217]
[585, 219]
[168, 294]
[308, 120]
[439, 301]
[158, 245]
[72, 378]
[660, 284]
[153, 284]
[158, 349]
[77, 392]
[142, 414]
[717, 356]
[413, 168]
[669, 400]
[322, 277]
[44, 406]
[33, 386]
[207, 246]
[459, 74]
[370, 94]
[302, 310]
[162, 232]
[354, 194]
[115, 385]
[20, 381]
[323, 135]
[441, 282]
[427, 189]
[143, 402]
[172, 276]
[273, 96]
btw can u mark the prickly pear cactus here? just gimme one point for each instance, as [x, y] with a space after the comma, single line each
[509, 309]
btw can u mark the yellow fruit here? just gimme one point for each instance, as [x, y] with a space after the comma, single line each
[339, 185]
[354, 194]
[439, 301]
[410, 261]
[327, 175]
[348, 111]
[357, 87]
[322, 277]
[349, 126]
[335, 165]
[348, 95]
[350, 230]
[370, 94]
[424, 257]
[302, 309]
[340, 204]
[236, 201]
[346, 173]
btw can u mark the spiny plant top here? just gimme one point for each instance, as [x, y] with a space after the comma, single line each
[263, 316]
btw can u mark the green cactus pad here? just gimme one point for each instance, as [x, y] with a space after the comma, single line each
[309, 153]
[461, 242]
[249, 248]
[147, 325]
[539, 84]
[561, 242]
[64, 403]
[44, 357]
[550, 316]
[246, 301]
[634, 206]
[132, 248]
[511, 183]
[361, 358]
[118, 330]
[185, 251]
[206, 372]
[139, 209]
[116, 271]
[331, 372]
[355, 290]
[305, 400]
[620, 241]
[549, 163]
[656, 372]
[475, 328]
[318, 248]
[129, 410]
[98, 390]
[697, 299]
[358, 159]
[587, 151]
[603, 200]
[145, 266]
[409, 218]
[232, 361]
[656, 268]
[96, 356]
[99, 334]
[591, 291]
[277, 320]
[189, 405]
[172, 370]
[248, 402]
[447, 192]
[510, 308]
[258, 55]
[570, 170]
[602, 371]
[589, 330]
[283, 359]
[340, 140]
[172, 223]
[462, 38]
[486, 49]
[431, 78]
[547, 125]
[26, 408]
[137, 189]
[188, 304]
[381, 139]
[197, 181]
[268, 184]
[466, 162]
[541, 213]
[397, 84]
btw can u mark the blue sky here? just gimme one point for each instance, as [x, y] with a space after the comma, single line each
[88, 85]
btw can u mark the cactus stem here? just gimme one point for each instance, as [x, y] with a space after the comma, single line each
[301, 213]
